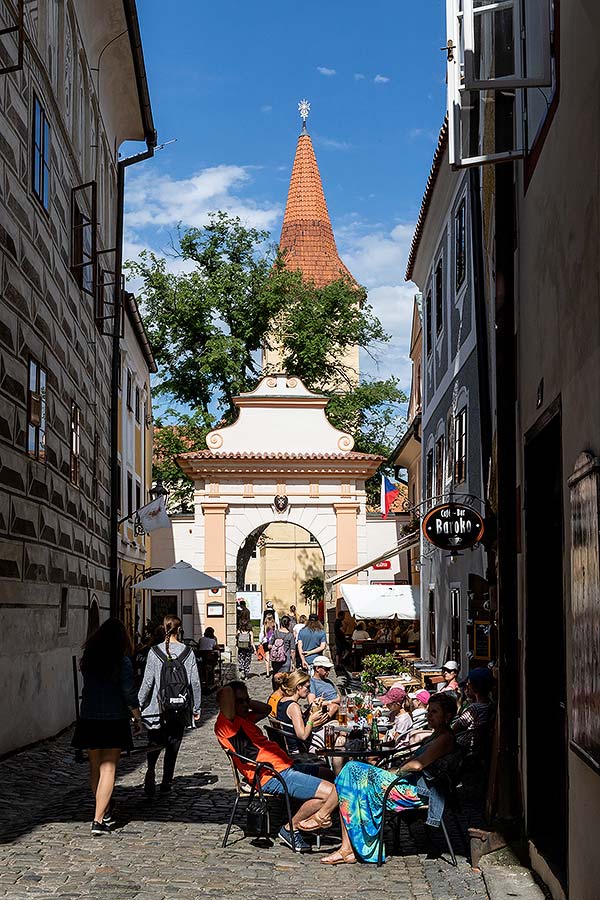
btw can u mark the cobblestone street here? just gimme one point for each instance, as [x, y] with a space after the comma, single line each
[169, 847]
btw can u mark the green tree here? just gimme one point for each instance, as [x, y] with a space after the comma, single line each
[313, 590]
[209, 322]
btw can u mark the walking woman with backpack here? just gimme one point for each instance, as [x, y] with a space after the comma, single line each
[245, 647]
[169, 697]
[282, 647]
[108, 702]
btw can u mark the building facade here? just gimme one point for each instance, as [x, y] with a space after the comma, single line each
[135, 458]
[443, 266]
[59, 210]
[529, 125]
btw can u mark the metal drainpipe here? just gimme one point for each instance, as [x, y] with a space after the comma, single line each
[114, 380]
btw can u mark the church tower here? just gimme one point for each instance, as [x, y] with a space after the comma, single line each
[306, 235]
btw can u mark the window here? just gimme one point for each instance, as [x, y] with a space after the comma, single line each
[13, 38]
[439, 296]
[493, 55]
[96, 469]
[432, 639]
[455, 623]
[250, 587]
[75, 440]
[41, 154]
[138, 405]
[63, 614]
[429, 475]
[83, 237]
[428, 323]
[439, 466]
[449, 445]
[460, 257]
[129, 389]
[138, 495]
[129, 494]
[119, 498]
[460, 446]
[36, 412]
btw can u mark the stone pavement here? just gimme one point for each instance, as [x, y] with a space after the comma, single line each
[169, 848]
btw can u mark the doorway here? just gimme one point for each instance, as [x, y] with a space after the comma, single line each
[545, 664]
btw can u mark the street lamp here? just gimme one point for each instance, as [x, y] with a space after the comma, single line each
[158, 489]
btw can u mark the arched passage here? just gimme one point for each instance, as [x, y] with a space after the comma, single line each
[276, 560]
[281, 461]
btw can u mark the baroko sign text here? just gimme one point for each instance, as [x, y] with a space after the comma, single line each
[453, 527]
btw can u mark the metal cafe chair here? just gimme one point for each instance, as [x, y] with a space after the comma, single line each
[446, 783]
[256, 788]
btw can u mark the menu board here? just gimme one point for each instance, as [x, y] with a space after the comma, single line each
[481, 640]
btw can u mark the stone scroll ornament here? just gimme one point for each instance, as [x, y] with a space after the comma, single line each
[281, 503]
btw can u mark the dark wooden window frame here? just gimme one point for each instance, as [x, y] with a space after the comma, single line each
[84, 249]
[74, 466]
[40, 154]
[460, 244]
[36, 410]
[17, 29]
[438, 284]
[460, 446]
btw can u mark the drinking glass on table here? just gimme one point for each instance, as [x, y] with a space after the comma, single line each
[329, 735]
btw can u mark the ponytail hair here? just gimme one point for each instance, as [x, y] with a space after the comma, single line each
[172, 625]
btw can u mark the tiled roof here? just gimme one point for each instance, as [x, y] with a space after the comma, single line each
[210, 454]
[306, 234]
[433, 174]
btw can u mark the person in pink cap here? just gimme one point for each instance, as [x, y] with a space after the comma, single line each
[420, 699]
[396, 701]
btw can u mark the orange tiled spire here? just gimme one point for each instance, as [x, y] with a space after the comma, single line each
[306, 234]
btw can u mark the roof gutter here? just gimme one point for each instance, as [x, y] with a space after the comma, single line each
[135, 318]
[135, 41]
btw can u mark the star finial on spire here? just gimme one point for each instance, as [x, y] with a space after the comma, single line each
[304, 109]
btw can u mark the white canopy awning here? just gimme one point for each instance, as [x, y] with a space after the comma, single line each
[405, 543]
[180, 577]
[380, 601]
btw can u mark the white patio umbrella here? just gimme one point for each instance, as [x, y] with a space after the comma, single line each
[180, 577]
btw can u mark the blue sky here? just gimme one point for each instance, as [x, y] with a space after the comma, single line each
[225, 80]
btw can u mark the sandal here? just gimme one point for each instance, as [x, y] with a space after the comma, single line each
[339, 858]
[315, 823]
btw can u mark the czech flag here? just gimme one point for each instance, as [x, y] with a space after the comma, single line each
[389, 492]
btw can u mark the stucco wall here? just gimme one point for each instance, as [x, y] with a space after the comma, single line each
[558, 320]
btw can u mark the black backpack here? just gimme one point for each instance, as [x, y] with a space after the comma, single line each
[174, 690]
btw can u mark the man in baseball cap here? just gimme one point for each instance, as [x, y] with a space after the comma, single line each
[322, 686]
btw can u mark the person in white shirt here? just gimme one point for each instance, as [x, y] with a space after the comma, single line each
[395, 701]
[208, 641]
[360, 633]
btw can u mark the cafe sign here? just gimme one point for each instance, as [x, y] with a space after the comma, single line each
[453, 527]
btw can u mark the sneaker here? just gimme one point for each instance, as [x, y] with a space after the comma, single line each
[299, 845]
[99, 828]
[109, 819]
[149, 784]
[165, 787]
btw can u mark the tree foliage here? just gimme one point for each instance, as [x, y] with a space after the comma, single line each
[229, 297]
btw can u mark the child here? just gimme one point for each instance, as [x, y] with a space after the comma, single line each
[246, 647]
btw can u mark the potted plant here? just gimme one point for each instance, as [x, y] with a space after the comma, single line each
[380, 665]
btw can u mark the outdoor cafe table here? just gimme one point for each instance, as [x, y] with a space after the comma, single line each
[344, 753]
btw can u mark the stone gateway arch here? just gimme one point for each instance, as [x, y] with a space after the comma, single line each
[280, 461]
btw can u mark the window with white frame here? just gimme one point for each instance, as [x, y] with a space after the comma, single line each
[460, 245]
[429, 475]
[439, 466]
[428, 341]
[439, 296]
[496, 49]
[460, 446]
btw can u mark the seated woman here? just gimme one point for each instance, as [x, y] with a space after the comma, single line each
[395, 700]
[208, 641]
[294, 687]
[273, 701]
[473, 728]
[361, 788]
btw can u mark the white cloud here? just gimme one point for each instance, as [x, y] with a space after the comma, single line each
[266, 108]
[323, 70]
[381, 79]
[358, 76]
[331, 143]
[162, 201]
[377, 259]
